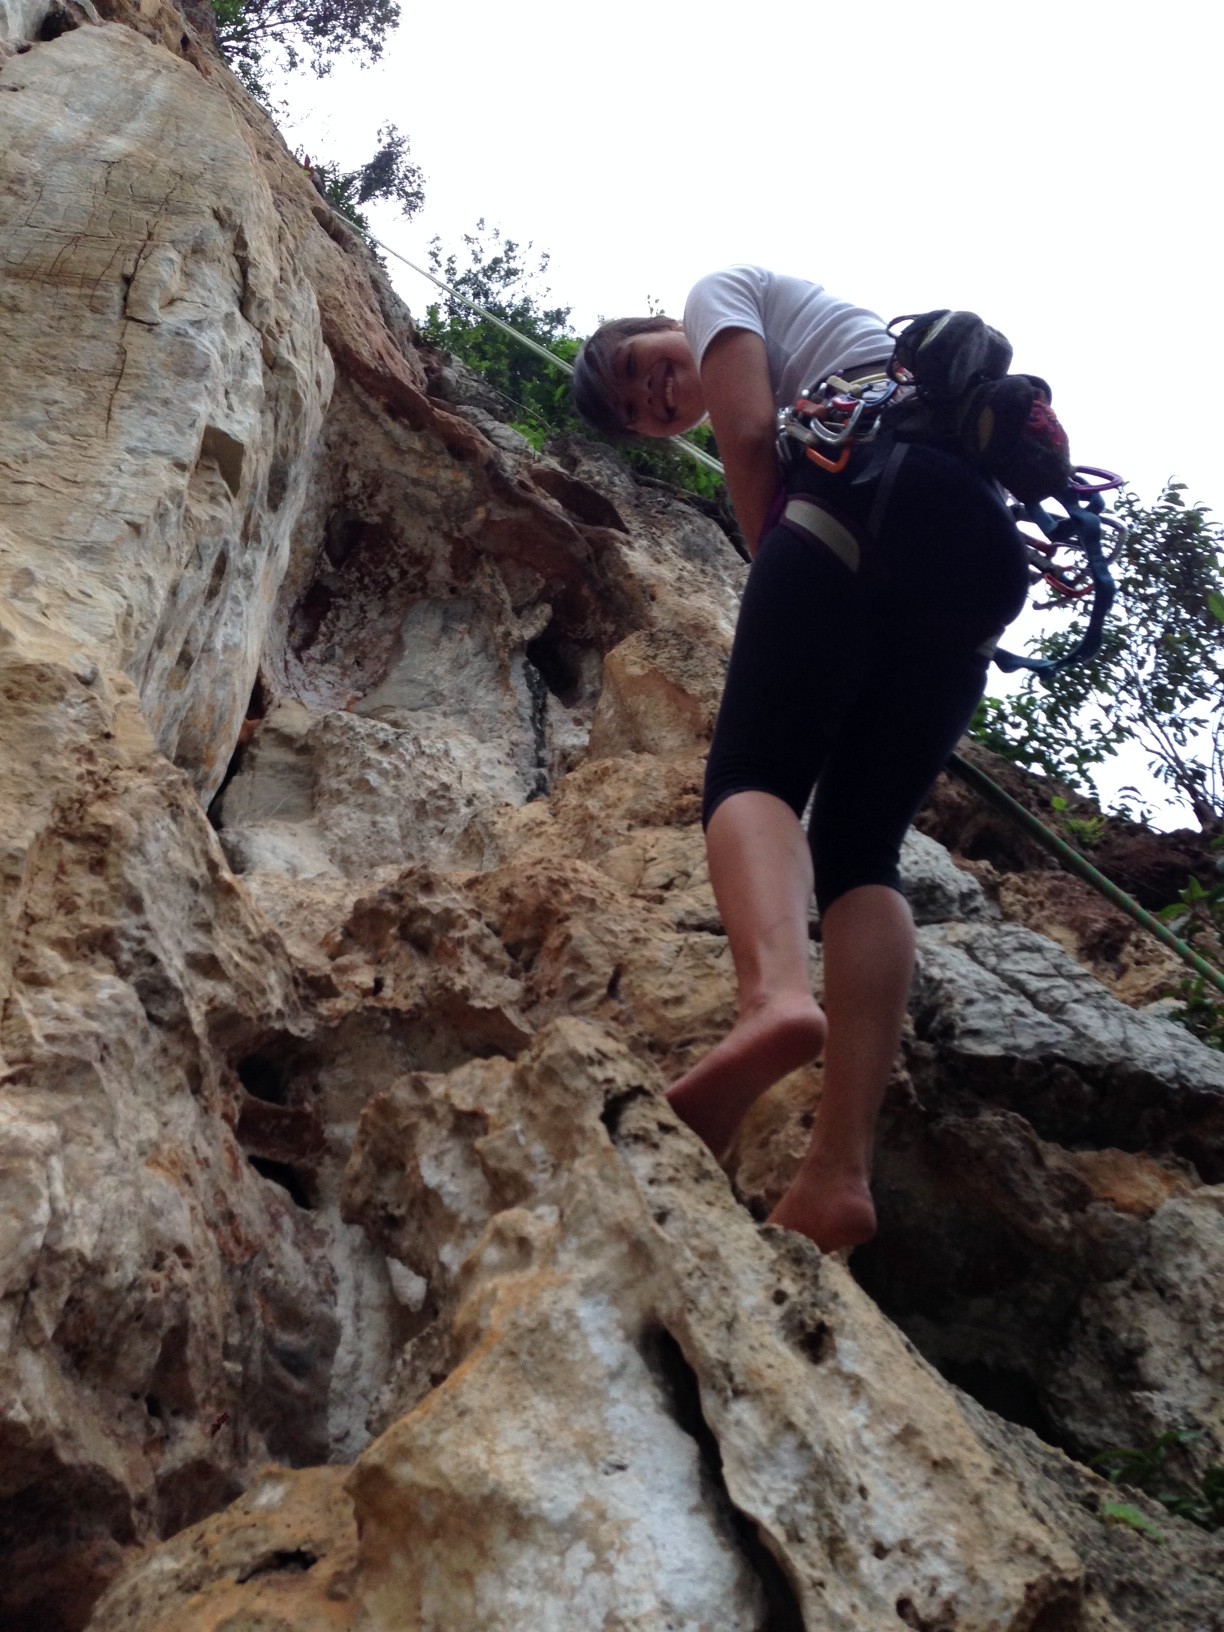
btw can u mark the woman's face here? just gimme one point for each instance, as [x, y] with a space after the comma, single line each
[659, 388]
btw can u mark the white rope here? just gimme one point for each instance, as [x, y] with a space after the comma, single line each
[694, 452]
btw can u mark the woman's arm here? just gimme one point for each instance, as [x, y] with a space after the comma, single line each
[735, 384]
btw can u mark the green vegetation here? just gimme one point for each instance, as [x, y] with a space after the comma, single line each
[1158, 683]
[389, 175]
[257, 34]
[1128, 1514]
[1159, 677]
[1085, 831]
[1198, 917]
[1146, 1469]
[506, 278]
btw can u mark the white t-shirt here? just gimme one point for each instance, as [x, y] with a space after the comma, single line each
[808, 333]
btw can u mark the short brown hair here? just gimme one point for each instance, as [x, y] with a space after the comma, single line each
[594, 383]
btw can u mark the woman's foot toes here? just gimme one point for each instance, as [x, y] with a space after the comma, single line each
[765, 1045]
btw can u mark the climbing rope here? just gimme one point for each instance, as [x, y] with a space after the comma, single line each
[1081, 867]
[690, 448]
[976, 779]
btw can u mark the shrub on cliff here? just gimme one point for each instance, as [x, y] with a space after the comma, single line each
[390, 175]
[1159, 679]
[505, 277]
[250, 32]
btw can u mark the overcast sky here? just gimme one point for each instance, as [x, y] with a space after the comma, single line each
[1055, 167]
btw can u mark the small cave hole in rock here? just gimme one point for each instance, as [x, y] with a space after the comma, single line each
[558, 662]
[299, 1185]
[1009, 1394]
[263, 1079]
[227, 453]
[216, 581]
[298, 1560]
[278, 484]
[171, 1386]
[616, 1107]
[58, 20]
[343, 533]
[909, 1616]
[308, 617]
[666, 1359]
[1065, 1614]
[256, 710]
[419, 939]
[586, 504]
[1203, 1155]
[814, 1341]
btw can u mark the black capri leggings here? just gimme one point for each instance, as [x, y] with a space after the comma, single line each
[861, 651]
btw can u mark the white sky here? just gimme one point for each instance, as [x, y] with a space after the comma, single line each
[1055, 167]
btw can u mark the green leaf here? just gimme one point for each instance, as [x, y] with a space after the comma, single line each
[1157, 681]
[1126, 1513]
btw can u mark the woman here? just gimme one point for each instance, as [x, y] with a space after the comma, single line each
[860, 655]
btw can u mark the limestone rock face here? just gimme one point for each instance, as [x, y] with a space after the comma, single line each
[165, 374]
[714, 1385]
[353, 913]
[168, 1315]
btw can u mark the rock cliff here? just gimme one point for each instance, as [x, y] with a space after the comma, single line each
[354, 1272]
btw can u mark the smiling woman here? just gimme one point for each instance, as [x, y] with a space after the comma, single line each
[660, 388]
[859, 657]
[609, 370]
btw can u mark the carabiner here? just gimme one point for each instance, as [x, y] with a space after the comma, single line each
[833, 466]
[1108, 480]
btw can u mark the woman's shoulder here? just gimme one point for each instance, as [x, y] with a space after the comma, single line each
[742, 280]
[773, 305]
[748, 288]
[733, 297]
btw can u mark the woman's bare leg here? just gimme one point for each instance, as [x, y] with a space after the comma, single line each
[868, 936]
[761, 870]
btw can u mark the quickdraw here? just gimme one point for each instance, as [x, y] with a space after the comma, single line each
[838, 414]
[1069, 583]
[1080, 527]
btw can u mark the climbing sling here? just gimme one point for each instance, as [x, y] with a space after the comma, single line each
[947, 385]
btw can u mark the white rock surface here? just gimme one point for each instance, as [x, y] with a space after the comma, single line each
[166, 379]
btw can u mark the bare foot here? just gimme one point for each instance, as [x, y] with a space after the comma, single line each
[765, 1044]
[831, 1207]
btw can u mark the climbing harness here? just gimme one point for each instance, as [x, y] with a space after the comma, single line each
[961, 396]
